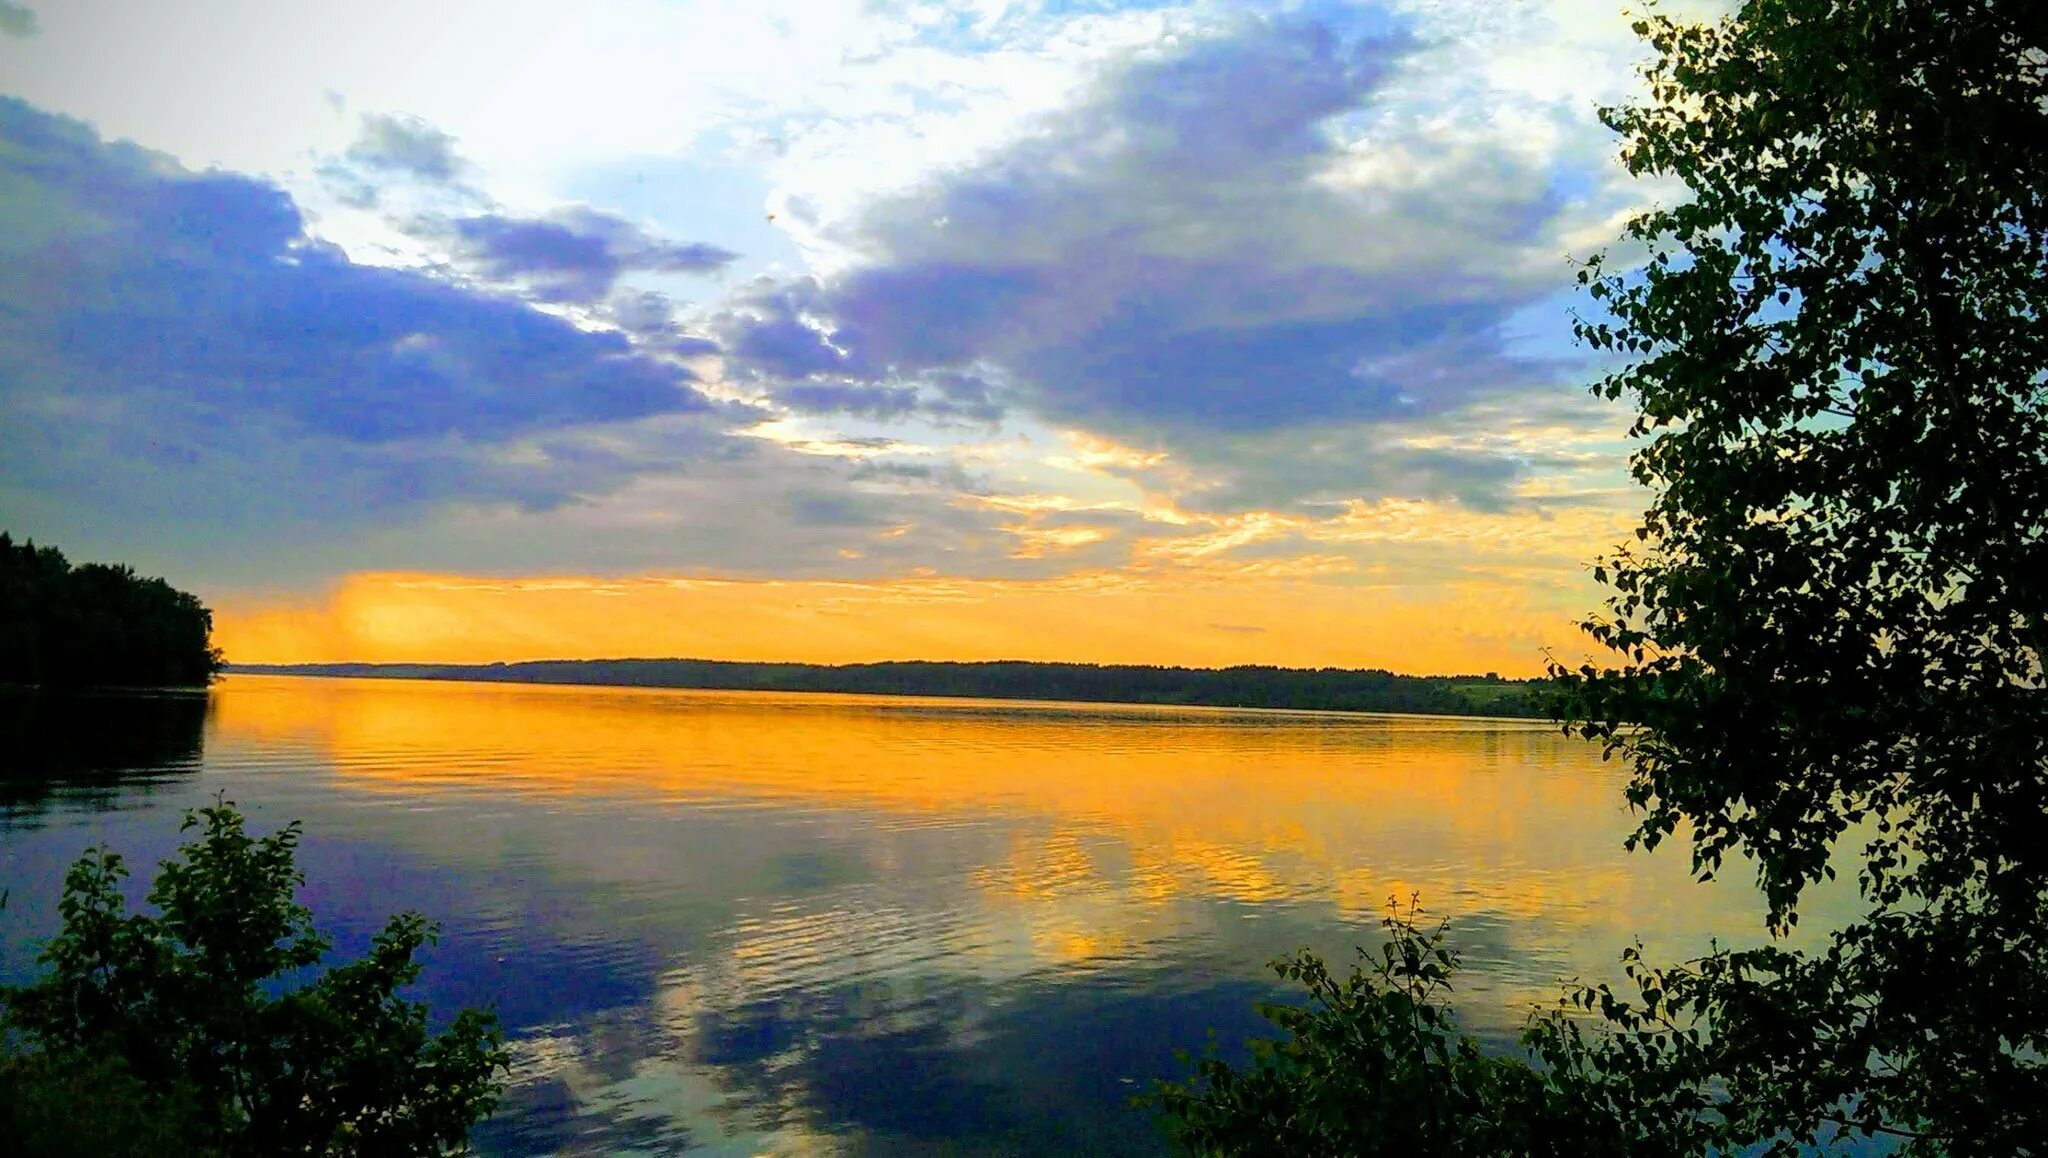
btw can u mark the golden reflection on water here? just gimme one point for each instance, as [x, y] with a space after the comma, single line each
[1117, 818]
[818, 924]
[833, 874]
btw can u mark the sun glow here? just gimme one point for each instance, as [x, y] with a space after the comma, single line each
[1328, 614]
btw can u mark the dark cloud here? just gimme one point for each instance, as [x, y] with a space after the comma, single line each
[173, 345]
[644, 313]
[777, 331]
[650, 318]
[406, 146]
[855, 398]
[781, 335]
[15, 20]
[206, 285]
[943, 477]
[966, 389]
[1294, 469]
[938, 398]
[691, 346]
[836, 509]
[968, 397]
[576, 255]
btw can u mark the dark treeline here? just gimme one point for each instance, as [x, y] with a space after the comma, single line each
[1324, 689]
[96, 625]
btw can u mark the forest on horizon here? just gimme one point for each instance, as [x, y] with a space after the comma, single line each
[1248, 686]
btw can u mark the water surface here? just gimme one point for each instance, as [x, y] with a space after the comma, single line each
[764, 923]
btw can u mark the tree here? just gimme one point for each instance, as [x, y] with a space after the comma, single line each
[97, 625]
[1832, 629]
[1830, 634]
[191, 1014]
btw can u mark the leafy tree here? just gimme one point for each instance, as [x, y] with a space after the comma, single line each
[1830, 634]
[191, 1013]
[96, 624]
[1833, 627]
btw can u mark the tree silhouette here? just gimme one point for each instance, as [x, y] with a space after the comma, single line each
[1833, 626]
[97, 625]
[195, 1030]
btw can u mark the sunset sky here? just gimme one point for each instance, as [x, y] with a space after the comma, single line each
[1178, 333]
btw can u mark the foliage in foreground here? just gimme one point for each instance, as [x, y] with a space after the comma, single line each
[187, 1020]
[1833, 626]
[1376, 1064]
[78, 1108]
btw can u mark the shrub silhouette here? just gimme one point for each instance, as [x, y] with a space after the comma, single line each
[195, 1018]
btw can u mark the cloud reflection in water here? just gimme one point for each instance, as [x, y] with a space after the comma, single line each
[792, 924]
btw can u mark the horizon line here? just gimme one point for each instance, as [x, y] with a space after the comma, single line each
[252, 667]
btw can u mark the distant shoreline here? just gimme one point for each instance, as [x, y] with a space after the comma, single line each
[1296, 689]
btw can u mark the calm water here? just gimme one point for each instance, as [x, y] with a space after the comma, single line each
[756, 923]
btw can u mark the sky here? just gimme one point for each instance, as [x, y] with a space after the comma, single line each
[831, 331]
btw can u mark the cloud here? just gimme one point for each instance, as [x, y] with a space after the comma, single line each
[572, 255]
[939, 398]
[1229, 246]
[406, 146]
[855, 398]
[16, 20]
[1275, 266]
[739, 508]
[403, 166]
[776, 334]
[834, 509]
[410, 171]
[778, 330]
[180, 358]
[1275, 469]
[189, 381]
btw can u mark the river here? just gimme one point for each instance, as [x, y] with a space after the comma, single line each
[754, 923]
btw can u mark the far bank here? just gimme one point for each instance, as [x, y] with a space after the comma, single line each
[1250, 686]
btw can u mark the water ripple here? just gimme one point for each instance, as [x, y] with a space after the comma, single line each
[810, 924]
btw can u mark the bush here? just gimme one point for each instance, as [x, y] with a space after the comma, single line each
[189, 1020]
[71, 1107]
[1375, 1064]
